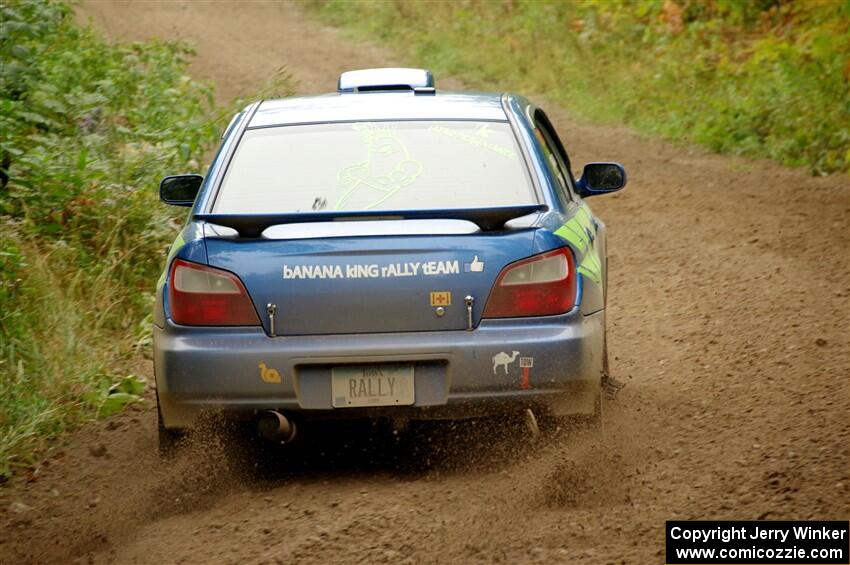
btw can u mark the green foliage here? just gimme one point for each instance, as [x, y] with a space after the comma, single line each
[755, 77]
[87, 129]
[126, 391]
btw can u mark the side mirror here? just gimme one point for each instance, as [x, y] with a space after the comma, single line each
[180, 190]
[601, 178]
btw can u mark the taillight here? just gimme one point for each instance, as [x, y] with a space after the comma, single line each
[542, 285]
[205, 296]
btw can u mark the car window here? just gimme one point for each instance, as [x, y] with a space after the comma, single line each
[558, 168]
[397, 165]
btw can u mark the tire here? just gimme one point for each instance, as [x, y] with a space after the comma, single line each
[597, 419]
[167, 440]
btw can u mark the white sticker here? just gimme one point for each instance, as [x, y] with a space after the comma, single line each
[475, 266]
[526, 362]
[372, 271]
[504, 360]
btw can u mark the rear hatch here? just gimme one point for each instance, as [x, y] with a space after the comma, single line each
[347, 285]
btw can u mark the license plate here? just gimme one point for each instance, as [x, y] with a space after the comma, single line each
[372, 385]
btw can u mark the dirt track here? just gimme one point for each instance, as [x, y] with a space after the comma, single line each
[729, 281]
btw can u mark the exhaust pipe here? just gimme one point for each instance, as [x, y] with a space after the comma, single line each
[275, 427]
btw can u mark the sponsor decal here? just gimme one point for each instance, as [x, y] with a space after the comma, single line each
[441, 298]
[503, 360]
[526, 363]
[268, 374]
[475, 266]
[478, 138]
[372, 271]
[578, 232]
[388, 168]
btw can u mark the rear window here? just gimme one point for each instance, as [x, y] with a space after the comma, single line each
[375, 166]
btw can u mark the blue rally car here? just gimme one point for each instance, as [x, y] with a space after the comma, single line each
[386, 251]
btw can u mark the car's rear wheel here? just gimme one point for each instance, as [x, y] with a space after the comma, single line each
[593, 420]
[167, 439]
[597, 419]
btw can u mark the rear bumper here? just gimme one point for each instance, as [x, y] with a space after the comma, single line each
[455, 372]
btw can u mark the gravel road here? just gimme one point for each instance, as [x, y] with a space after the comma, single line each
[728, 320]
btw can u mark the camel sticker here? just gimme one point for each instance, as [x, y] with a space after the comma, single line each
[268, 374]
[502, 359]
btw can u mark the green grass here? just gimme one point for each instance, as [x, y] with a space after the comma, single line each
[761, 78]
[87, 129]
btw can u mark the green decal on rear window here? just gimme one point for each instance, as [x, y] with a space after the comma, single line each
[387, 168]
[391, 165]
[478, 138]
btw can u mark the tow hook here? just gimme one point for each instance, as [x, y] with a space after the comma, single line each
[469, 300]
[270, 310]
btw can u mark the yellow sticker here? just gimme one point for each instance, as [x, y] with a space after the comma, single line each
[269, 375]
[443, 298]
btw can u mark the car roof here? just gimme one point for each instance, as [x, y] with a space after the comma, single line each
[376, 106]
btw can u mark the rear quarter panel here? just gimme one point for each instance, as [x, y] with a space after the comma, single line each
[574, 223]
[188, 245]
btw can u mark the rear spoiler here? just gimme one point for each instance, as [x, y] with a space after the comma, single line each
[487, 219]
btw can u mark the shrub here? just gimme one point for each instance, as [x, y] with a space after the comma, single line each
[756, 77]
[87, 129]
